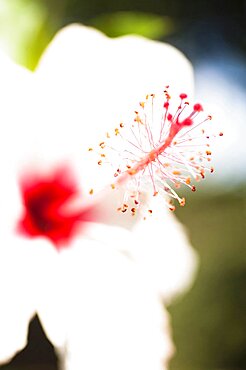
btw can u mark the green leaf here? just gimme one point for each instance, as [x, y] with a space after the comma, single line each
[123, 23]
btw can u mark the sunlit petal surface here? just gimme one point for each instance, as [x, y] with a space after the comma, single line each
[20, 271]
[109, 310]
[92, 82]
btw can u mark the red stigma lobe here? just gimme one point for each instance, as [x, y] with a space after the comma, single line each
[198, 107]
[46, 199]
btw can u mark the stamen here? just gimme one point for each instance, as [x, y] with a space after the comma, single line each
[160, 142]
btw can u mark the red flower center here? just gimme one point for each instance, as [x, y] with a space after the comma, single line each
[46, 199]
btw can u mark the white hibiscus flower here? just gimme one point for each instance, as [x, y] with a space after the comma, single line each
[97, 278]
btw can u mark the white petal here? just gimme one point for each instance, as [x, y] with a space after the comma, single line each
[17, 256]
[163, 249]
[89, 83]
[19, 278]
[16, 138]
[104, 312]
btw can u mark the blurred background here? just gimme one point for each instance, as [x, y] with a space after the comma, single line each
[209, 323]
